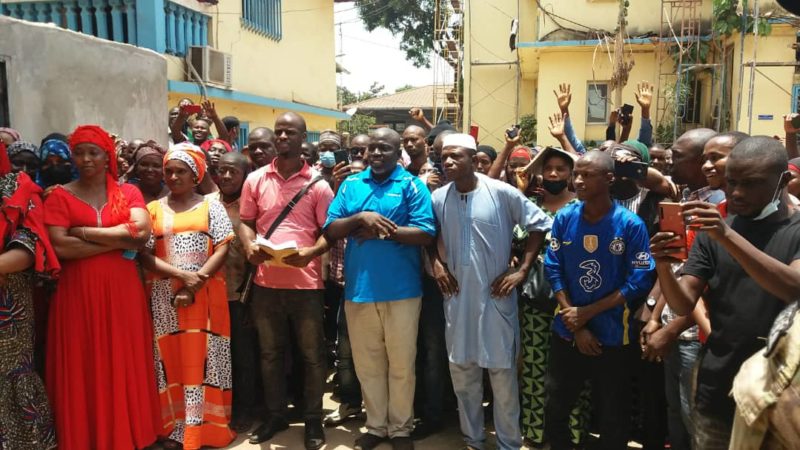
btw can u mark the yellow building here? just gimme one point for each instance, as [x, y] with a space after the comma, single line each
[572, 41]
[256, 58]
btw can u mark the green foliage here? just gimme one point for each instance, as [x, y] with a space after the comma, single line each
[727, 21]
[403, 88]
[527, 129]
[358, 124]
[412, 21]
[665, 129]
[347, 97]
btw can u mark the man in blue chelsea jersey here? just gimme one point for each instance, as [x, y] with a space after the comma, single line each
[600, 269]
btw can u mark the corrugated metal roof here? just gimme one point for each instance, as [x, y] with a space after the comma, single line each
[421, 97]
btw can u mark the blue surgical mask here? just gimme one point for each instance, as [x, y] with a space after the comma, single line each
[771, 207]
[327, 159]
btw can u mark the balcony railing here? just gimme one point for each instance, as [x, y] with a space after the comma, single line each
[160, 25]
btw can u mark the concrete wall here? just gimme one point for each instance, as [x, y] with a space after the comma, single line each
[301, 67]
[491, 72]
[770, 87]
[643, 16]
[59, 79]
[255, 115]
[574, 66]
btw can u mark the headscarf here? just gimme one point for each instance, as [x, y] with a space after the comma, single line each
[643, 150]
[489, 151]
[54, 147]
[18, 147]
[23, 207]
[5, 163]
[441, 126]
[521, 152]
[794, 164]
[93, 134]
[189, 154]
[206, 146]
[12, 132]
[56, 136]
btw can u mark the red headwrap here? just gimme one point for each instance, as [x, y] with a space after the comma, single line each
[794, 168]
[190, 155]
[93, 134]
[521, 152]
[207, 145]
[5, 163]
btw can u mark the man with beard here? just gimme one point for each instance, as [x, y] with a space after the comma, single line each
[745, 267]
[260, 146]
[289, 294]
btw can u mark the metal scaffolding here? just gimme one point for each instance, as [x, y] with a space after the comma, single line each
[449, 45]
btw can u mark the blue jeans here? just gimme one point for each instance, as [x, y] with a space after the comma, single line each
[431, 363]
[349, 386]
[468, 385]
[678, 366]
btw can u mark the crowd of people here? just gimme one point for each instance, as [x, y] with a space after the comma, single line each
[179, 296]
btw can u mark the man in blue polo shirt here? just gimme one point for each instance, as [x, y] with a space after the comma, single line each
[386, 215]
[600, 269]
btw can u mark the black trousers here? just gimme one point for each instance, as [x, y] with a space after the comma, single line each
[609, 377]
[276, 312]
[244, 360]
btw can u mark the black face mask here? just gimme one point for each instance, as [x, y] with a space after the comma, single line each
[56, 175]
[554, 187]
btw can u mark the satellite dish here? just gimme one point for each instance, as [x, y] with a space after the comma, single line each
[793, 6]
[352, 111]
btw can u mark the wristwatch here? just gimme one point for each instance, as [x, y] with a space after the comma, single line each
[651, 303]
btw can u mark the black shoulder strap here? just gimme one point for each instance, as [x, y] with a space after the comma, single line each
[288, 208]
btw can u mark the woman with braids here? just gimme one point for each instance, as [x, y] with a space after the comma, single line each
[100, 342]
[25, 418]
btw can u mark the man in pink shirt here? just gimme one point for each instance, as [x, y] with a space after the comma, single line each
[286, 297]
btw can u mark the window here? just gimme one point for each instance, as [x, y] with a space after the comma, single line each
[263, 17]
[597, 103]
[312, 136]
[5, 120]
[244, 131]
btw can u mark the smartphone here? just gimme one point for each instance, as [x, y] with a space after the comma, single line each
[633, 170]
[627, 109]
[671, 219]
[512, 132]
[796, 121]
[341, 156]
[192, 109]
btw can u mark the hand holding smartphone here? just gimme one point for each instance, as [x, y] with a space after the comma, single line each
[671, 220]
[191, 109]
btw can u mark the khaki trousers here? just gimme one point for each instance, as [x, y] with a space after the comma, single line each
[383, 338]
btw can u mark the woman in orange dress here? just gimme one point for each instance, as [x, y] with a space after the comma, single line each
[188, 299]
[99, 371]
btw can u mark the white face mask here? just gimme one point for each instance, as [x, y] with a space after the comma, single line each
[772, 207]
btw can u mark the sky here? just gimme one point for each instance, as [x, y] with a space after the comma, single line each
[371, 57]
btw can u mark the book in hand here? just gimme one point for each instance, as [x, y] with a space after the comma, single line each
[277, 251]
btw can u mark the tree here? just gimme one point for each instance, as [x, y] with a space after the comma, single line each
[411, 20]
[403, 88]
[358, 124]
[348, 97]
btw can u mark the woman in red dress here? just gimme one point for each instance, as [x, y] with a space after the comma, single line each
[100, 374]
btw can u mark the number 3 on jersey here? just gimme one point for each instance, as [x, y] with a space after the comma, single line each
[591, 280]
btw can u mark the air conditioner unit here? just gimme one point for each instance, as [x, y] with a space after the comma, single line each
[213, 66]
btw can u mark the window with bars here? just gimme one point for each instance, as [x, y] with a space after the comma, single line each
[263, 17]
[597, 103]
[244, 132]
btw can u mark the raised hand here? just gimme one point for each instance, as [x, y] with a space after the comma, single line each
[209, 108]
[564, 97]
[644, 95]
[787, 124]
[557, 125]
